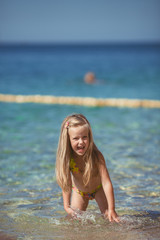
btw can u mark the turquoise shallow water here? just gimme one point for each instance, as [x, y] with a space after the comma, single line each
[31, 204]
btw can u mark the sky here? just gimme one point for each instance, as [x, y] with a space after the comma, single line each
[56, 21]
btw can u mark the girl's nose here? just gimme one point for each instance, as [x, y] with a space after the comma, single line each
[80, 140]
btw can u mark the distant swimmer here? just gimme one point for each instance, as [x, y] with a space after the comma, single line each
[90, 78]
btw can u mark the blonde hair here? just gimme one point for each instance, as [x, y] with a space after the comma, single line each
[64, 152]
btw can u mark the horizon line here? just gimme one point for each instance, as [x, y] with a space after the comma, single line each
[72, 43]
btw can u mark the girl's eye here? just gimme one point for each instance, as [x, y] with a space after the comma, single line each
[85, 137]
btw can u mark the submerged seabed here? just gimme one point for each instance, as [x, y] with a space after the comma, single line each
[31, 205]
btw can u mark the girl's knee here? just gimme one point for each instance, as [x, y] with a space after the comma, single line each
[78, 202]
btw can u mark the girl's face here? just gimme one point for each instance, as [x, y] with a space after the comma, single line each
[79, 139]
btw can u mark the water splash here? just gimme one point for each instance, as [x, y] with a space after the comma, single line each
[84, 217]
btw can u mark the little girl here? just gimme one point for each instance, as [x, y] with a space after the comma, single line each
[81, 166]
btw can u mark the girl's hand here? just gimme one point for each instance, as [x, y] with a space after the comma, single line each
[70, 211]
[112, 216]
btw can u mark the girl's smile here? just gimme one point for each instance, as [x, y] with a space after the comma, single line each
[79, 139]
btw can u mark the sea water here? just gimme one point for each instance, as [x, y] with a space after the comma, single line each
[122, 71]
[31, 204]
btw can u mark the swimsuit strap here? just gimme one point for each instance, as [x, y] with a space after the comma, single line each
[98, 187]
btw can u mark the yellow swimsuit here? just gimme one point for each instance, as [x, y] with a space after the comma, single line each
[88, 195]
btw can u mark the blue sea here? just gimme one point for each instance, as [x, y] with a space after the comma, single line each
[31, 204]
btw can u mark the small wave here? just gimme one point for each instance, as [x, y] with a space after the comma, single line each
[141, 220]
[85, 216]
[127, 222]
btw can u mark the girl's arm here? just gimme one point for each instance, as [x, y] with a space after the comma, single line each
[108, 190]
[67, 199]
[66, 202]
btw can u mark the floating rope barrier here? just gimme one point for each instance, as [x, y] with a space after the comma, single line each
[82, 101]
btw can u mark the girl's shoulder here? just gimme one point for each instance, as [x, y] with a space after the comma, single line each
[100, 158]
[98, 155]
